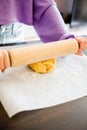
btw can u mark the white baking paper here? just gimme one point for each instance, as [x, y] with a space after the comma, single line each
[22, 89]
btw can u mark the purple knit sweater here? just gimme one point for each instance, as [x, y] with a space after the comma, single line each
[42, 14]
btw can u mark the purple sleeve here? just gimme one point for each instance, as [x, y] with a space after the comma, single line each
[48, 21]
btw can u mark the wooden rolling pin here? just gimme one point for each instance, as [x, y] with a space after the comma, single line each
[36, 53]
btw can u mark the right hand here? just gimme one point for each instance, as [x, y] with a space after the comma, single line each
[4, 60]
[82, 45]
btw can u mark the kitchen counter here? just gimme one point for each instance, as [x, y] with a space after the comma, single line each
[67, 116]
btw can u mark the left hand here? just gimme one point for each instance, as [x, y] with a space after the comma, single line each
[4, 60]
[82, 45]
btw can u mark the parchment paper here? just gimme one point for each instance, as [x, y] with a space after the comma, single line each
[22, 89]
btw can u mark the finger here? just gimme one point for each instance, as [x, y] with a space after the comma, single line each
[3, 70]
[1, 61]
[6, 59]
[85, 43]
[79, 53]
[81, 42]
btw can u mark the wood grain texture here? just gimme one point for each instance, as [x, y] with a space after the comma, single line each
[67, 116]
[33, 54]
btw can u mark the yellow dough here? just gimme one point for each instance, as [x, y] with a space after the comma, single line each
[43, 66]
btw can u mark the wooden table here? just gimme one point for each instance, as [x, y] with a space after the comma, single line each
[67, 116]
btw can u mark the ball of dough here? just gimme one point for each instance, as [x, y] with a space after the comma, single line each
[43, 66]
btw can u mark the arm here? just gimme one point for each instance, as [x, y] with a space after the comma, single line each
[48, 21]
[50, 25]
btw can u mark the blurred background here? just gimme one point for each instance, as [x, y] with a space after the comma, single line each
[65, 7]
[73, 11]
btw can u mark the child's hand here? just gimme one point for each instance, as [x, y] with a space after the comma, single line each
[82, 45]
[4, 60]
